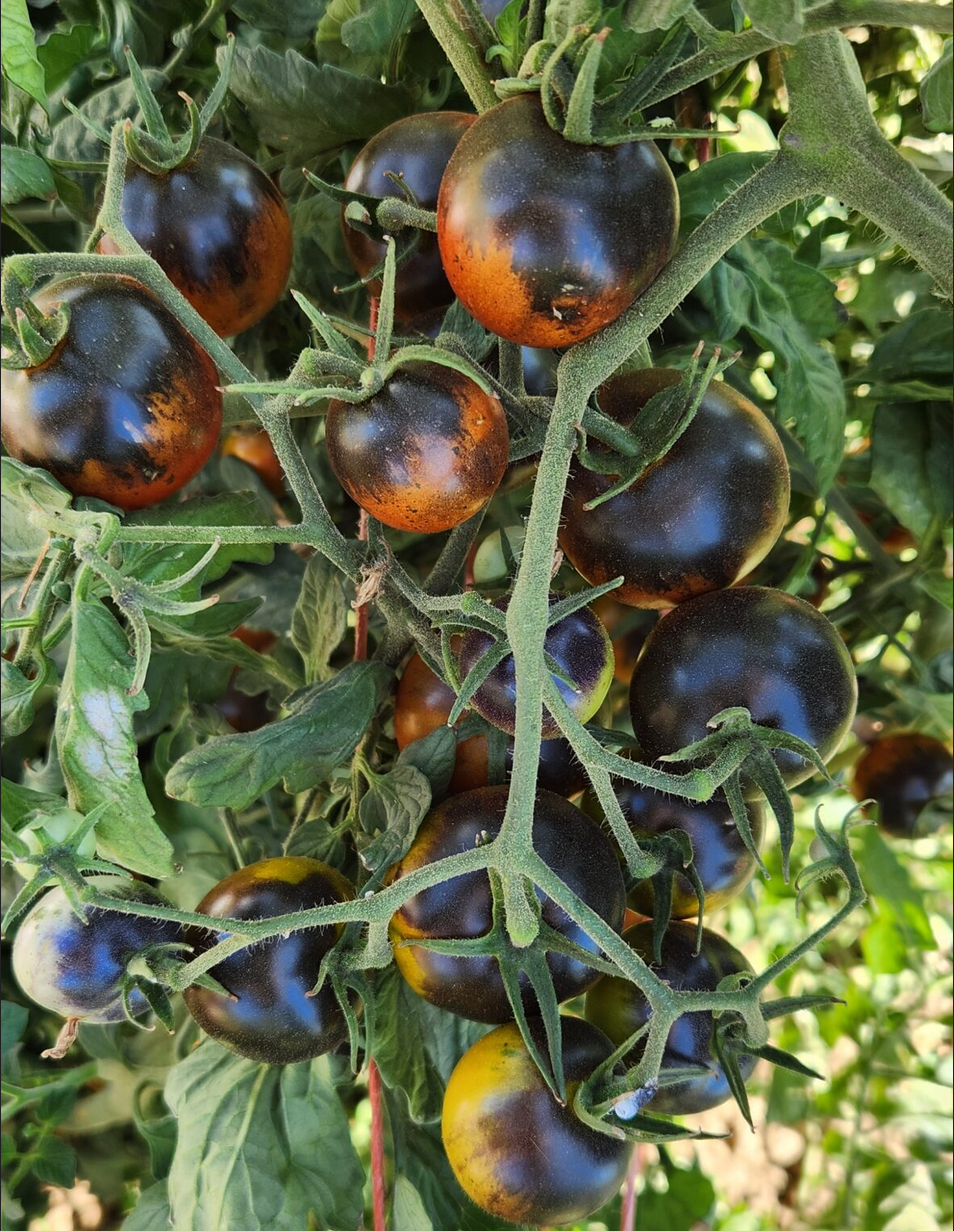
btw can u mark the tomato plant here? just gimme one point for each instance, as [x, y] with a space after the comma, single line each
[404, 574]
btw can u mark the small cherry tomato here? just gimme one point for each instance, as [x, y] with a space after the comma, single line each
[126, 408]
[619, 1009]
[545, 241]
[517, 1152]
[256, 450]
[903, 774]
[241, 710]
[720, 857]
[424, 702]
[75, 966]
[767, 651]
[417, 149]
[461, 908]
[274, 1019]
[219, 229]
[698, 519]
[578, 644]
[425, 453]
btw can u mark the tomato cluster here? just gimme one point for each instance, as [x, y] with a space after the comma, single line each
[544, 242]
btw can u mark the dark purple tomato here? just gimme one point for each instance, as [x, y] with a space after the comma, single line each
[75, 968]
[241, 710]
[571, 844]
[720, 857]
[417, 148]
[578, 643]
[903, 774]
[698, 519]
[126, 408]
[517, 1152]
[424, 702]
[273, 1020]
[619, 1008]
[425, 453]
[543, 241]
[219, 229]
[770, 652]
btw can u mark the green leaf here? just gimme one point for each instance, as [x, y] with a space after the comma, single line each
[260, 1146]
[64, 51]
[152, 1211]
[646, 15]
[434, 756]
[918, 346]
[72, 140]
[322, 730]
[686, 1201]
[14, 1019]
[97, 747]
[420, 1072]
[408, 1212]
[937, 92]
[20, 802]
[16, 705]
[372, 30]
[786, 305]
[911, 462]
[305, 110]
[23, 175]
[292, 20]
[320, 618]
[55, 1162]
[780, 20]
[18, 51]
[393, 808]
[901, 925]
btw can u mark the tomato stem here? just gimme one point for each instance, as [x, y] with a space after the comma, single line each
[377, 1147]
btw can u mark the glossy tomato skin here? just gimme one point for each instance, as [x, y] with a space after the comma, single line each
[698, 519]
[619, 1008]
[126, 408]
[424, 702]
[461, 908]
[762, 649]
[546, 242]
[256, 450]
[903, 774]
[274, 1020]
[518, 1153]
[425, 453]
[578, 643]
[417, 148]
[75, 968]
[219, 229]
[721, 859]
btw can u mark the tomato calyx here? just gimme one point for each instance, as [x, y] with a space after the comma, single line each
[576, 103]
[657, 427]
[153, 148]
[739, 752]
[379, 219]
